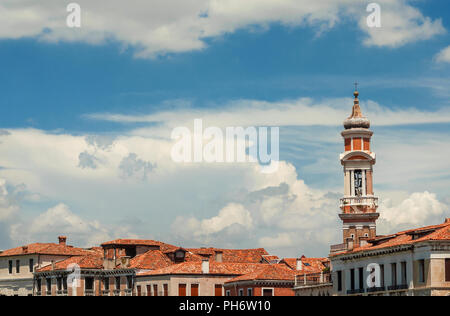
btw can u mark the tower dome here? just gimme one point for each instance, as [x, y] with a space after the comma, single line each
[357, 119]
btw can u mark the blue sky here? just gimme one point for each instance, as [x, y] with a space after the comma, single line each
[60, 86]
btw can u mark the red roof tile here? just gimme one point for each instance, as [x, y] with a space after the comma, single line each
[272, 272]
[151, 260]
[44, 248]
[232, 255]
[196, 268]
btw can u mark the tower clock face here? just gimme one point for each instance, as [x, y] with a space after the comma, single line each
[358, 182]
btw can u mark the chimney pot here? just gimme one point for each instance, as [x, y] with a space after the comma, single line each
[447, 220]
[62, 240]
[25, 249]
[299, 264]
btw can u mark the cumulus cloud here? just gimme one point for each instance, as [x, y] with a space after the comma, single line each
[8, 203]
[132, 165]
[419, 209]
[400, 24]
[161, 26]
[443, 56]
[87, 160]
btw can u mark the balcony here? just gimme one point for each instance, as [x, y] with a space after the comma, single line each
[398, 287]
[128, 292]
[88, 292]
[313, 279]
[369, 201]
[105, 292]
[116, 292]
[355, 291]
[376, 289]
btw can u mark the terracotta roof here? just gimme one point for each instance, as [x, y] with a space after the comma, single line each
[151, 260]
[232, 255]
[272, 272]
[196, 268]
[84, 262]
[139, 242]
[309, 265]
[407, 237]
[44, 248]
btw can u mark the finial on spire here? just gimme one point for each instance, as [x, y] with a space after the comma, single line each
[356, 93]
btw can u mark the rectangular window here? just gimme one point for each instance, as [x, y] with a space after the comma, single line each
[106, 284]
[339, 281]
[59, 284]
[357, 174]
[404, 273]
[38, 285]
[149, 290]
[241, 292]
[181, 289]
[10, 266]
[361, 278]
[139, 293]
[31, 265]
[194, 289]
[129, 282]
[249, 292]
[65, 283]
[352, 279]
[447, 270]
[218, 290]
[117, 283]
[381, 274]
[49, 285]
[394, 274]
[17, 266]
[155, 289]
[422, 271]
[228, 293]
[268, 292]
[89, 283]
[166, 289]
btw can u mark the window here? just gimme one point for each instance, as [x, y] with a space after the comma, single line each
[358, 182]
[149, 290]
[117, 283]
[339, 281]
[447, 270]
[166, 289]
[404, 273]
[361, 278]
[49, 285]
[17, 266]
[218, 290]
[139, 293]
[394, 274]
[421, 270]
[129, 282]
[65, 283]
[352, 279]
[106, 284]
[194, 289]
[31, 265]
[59, 284]
[267, 292]
[181, 289]
[228, 293]
[249, 292]
[241, 292]
[381, 274]
[10, 266]
[155, 289]
[89, 283]
[38, 285]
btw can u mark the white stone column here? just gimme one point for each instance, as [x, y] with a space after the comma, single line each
[347, 183]
[352, 181]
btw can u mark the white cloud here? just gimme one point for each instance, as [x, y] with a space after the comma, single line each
[419, 209]
[400, 24]
[8, 204]
[162, 26]
[443, 56]
[281, 240]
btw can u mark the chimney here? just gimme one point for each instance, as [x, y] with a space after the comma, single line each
[299, 264]
[219, 256]
[205, 266]
[62, 240]
[25, 249]
[53, 265]
[447, 220]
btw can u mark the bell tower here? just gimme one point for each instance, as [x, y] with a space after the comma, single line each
[359, 204]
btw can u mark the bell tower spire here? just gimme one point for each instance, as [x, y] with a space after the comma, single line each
[359, 204]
